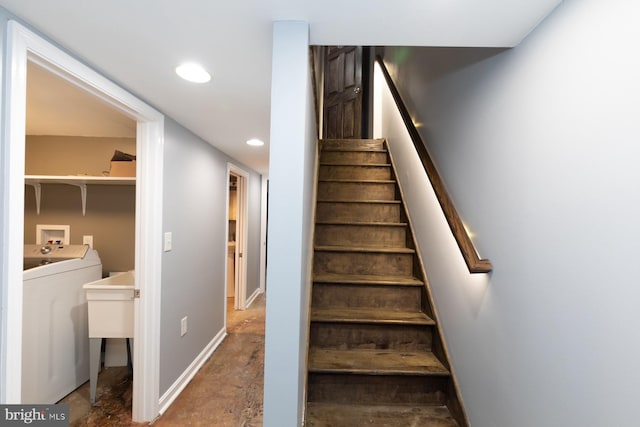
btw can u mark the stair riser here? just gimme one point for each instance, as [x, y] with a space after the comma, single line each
[370, 336]
[331, 295]
[354, 172]
[358, 212]
[350, 157]
[352, 144]
[363, 263]
[356, 191]
[323, 414]
[361, 235]
[377, 389]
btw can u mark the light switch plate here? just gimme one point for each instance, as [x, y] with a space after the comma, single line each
[183, 326]
[167, 241]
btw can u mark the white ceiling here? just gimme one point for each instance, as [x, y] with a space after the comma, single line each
[56, 107]
[138, 44]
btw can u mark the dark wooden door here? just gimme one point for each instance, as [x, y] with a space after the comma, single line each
[343, 92]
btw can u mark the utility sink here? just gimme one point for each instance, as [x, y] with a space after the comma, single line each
[111, 306]
[110, 303]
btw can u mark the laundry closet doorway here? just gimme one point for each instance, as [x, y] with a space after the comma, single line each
[236, 266]
[71, 136]
[24, 46]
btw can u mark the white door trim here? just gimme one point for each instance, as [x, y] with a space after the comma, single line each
[24, 45]
[241, 236]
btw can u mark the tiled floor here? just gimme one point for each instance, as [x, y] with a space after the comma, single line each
[226, 392]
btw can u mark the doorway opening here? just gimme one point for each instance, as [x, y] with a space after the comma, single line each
[24, 46]
[346, 74]
[71, 136]
[236, 275]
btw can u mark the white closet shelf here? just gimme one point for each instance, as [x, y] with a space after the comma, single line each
[80, 181]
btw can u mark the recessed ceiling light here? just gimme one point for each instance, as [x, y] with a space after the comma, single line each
[255, 142]
[193, 72]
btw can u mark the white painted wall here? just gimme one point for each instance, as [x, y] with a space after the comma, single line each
[4, 393]
[292, 159]
[538, 146]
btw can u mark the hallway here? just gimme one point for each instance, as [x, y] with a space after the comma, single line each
[227, 391]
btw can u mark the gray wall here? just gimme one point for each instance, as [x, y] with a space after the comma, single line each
[292, 163]
[538, 146]
[193, 281]
[254, 245]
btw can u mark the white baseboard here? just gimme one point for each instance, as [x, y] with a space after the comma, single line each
[174, 391]
[253, 296]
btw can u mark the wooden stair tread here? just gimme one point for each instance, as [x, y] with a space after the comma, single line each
[347, 149]
[374, 362]
[367, 165]
[373, 224]
[353, 140]
[352, 315]
[358, 181]
[341, 415]
[353, 150]
[392, 202]
[373, 249]
[365, 279]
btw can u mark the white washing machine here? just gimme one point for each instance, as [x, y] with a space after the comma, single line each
[55, 343]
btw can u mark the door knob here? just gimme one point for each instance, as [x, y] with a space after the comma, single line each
[356, 90]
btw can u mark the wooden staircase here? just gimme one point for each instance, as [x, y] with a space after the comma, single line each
[375, 356]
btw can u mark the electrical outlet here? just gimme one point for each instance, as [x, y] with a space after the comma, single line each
[87, 240]
[183, 326]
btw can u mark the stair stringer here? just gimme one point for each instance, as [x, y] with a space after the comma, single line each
[455, 403]
[314, 201]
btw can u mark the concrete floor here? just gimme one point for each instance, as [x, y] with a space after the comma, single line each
[227, 391]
